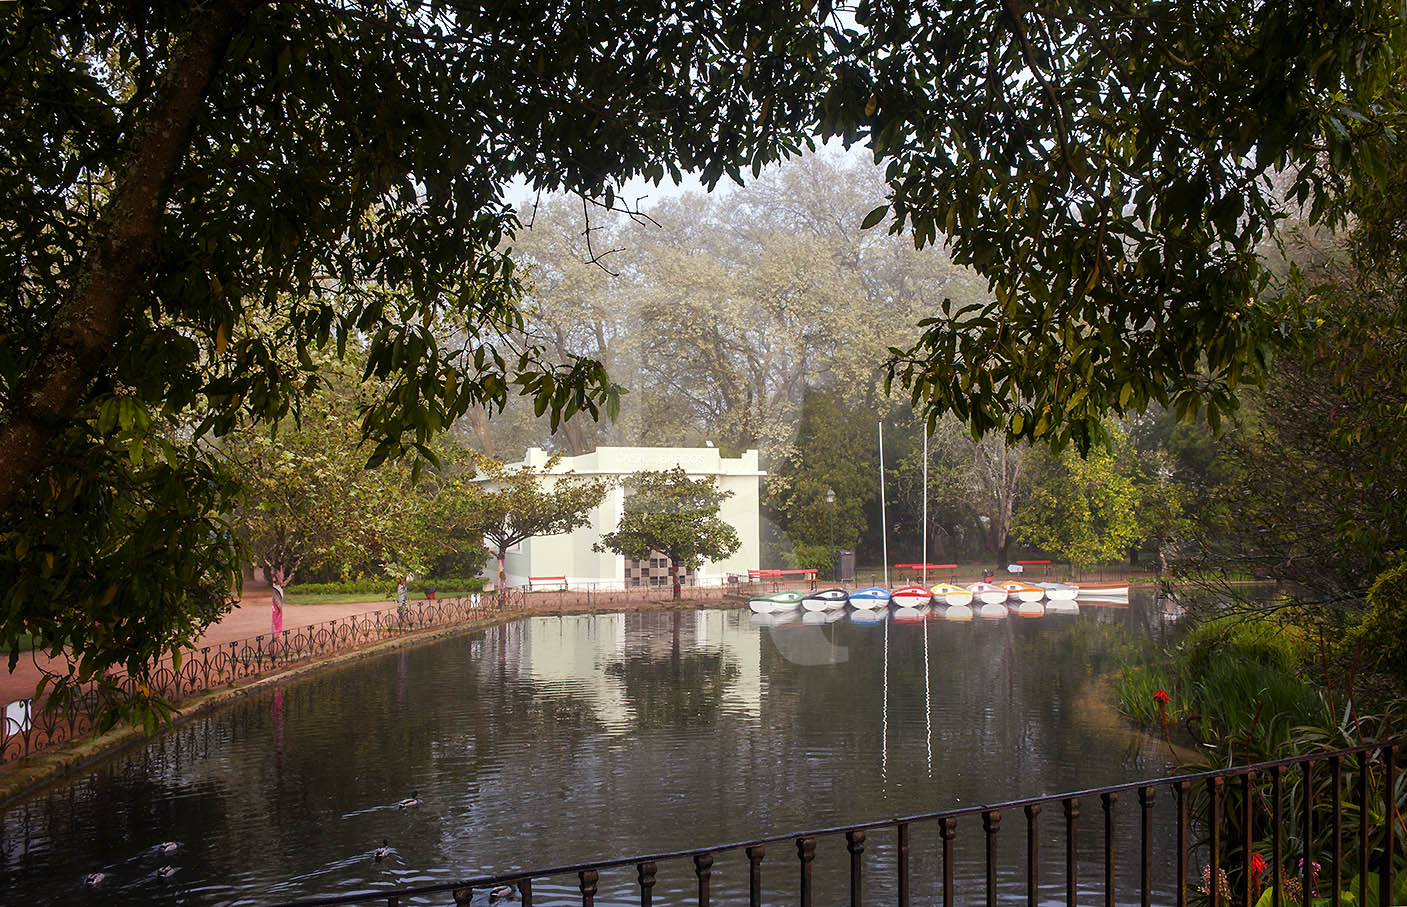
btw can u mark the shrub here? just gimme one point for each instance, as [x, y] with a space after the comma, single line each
[448, 585]
[1383, 633]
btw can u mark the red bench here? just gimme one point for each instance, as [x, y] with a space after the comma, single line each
[547, 580]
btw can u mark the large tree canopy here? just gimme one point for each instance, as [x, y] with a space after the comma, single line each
[173, 176]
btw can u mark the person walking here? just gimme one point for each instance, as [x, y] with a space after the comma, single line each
[277, 583]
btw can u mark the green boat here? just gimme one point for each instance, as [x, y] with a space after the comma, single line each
[777, 602]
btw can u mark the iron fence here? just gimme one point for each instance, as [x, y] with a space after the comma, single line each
[27, 728]
[1336, 813]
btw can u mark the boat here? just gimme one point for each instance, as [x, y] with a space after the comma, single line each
[988, 594]
[1102, 590]
[776, 603]
[825, 600]
[1022, 592]
[990, 600]
[911, 597]
[951, 595]
[871, 598]
[1059, 592]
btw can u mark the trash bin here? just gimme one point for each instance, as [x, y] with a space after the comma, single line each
[845, 563]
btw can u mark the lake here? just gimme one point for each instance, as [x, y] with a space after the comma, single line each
[553, 740]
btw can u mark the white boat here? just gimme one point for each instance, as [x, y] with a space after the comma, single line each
[776, 603]
[911, 597]
[1102, 590]
[951, 595]
[825, 600]
[874, 597]
[1022, 592]
[1059, 592]
[988, 594]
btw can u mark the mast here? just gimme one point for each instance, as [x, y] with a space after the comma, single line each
[883, 518]
[925, 506]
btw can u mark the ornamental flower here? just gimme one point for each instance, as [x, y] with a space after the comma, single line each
[1257, 864]
[1161, 697]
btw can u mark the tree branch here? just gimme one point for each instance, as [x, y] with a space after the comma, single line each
[121, 257]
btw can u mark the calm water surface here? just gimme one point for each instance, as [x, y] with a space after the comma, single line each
[556, 740]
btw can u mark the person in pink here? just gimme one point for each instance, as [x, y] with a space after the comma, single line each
[277, 584]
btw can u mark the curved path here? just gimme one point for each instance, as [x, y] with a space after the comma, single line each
[250, 617]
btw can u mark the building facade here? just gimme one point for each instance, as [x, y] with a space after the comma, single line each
[571, 554]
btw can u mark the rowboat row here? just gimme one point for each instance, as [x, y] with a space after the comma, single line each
[992, 601]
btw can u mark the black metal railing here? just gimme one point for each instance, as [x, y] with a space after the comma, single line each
[1337, 813]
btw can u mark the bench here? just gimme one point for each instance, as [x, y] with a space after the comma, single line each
[547, 581]
[933, 572]
[1044, 565]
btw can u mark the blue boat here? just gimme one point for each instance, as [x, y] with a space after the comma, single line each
[873, 598]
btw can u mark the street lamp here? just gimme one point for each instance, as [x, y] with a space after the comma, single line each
[830, 499]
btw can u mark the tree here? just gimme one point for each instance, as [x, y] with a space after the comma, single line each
[1082, 508]
[1107, 167]
[178, 175]
[675, 515]
[307, 500]
[513, 504]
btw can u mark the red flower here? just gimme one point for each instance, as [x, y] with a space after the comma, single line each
[1161, 696]
[1257, 864]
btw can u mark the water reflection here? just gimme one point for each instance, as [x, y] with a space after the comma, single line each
[560, 739]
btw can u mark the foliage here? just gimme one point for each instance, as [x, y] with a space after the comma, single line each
[186, 175]
[829, 454]
[1105, 167]
[675, 515]
[307, 499]
[1082, 508]
[443, 585]
[509, 505]
[1382, 634]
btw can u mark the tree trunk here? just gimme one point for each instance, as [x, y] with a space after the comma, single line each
[122, 253]
[502, 573]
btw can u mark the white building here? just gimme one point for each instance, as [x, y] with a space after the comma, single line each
[571, 554]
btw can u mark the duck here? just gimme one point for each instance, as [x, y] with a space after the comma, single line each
[383, 851]
[412, 801]
[166, 848]
[166, 871]
[502, 893]
[94, 879]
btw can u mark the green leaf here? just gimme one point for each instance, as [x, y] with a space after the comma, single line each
[874, 217]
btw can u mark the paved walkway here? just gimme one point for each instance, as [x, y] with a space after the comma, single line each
[251, 617]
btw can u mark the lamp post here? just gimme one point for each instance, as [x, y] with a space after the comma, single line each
[830, 499]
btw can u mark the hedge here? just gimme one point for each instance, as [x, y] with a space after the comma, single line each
[448, 585]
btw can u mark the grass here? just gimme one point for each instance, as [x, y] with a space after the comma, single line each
[344, 598]
[1231, 680]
